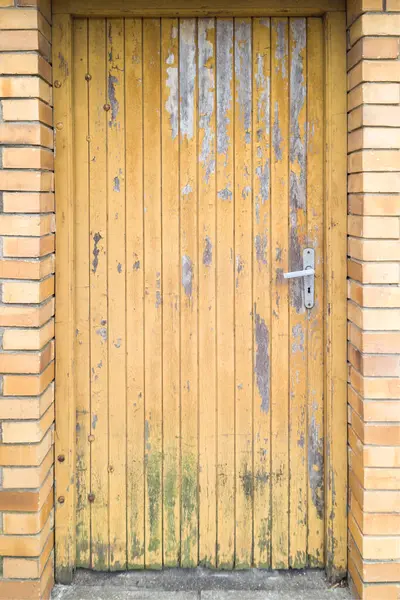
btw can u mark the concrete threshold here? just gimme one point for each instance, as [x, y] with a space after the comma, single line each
[201, 584]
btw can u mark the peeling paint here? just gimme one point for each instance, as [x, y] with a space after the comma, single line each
[94, 421]
[208, 252]
[96, 238]
[206, 97]
[172, 102]
[225, 194]
[246, 191]
[119, 268]
[243, 67]
[224, 80]
[263, 175]
[116, 184]
[117, 343]
[187, 275]
[277, 138]
[281, 48]
[261, 245]
[186, 190]
[187, 76]
[102, 332]
[316, 466]
[136, 265]
[239, 268]
[298, 338]
[112, 82]
[262, 366]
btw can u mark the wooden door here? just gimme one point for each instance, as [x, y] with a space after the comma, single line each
[198, 150]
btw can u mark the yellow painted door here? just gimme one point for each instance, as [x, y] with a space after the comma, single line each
[198, 149]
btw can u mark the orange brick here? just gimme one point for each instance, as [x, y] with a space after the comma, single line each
[370, 48]
[374, 70]
[26, 316]
[26, 408]
[374, 137]
[374, 501]
[28, 202]
[34, 134]
[375, 388]
[23, 181]
[381, 366]
[30, 431]
[30, 455]
[27, 110]
[373, 227]
[16, 18]
[27, 40]
[30, 523]
[393, 6]
[373, 115]
[375, 25]
[28, 362]
[374, 204]
[374, 182]
[27, 269]
[21, 247]
[32, 567]
[373, 93]
[375, 250]
[374, 319]
[374, 160]
[27, 478]
[35, 225]
[25, 87]
[25, 292]
[11, 545]
[28, 339]
[27, 158]
[24, 64]
[374, 296]
[370, 272]
[27, 385]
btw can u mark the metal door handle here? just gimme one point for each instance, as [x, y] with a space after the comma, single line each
[307, 274]
[294, 274]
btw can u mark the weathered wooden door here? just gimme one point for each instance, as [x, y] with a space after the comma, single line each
[198, 148]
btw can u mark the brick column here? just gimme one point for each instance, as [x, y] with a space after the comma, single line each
[26, 301]
[374, 298]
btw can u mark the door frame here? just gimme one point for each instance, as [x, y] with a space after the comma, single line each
[335, 257]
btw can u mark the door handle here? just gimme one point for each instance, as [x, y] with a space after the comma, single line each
[307, 274]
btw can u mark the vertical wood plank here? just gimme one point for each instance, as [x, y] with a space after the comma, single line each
[261, 290]
[225, 298]
[207, 304]
[315, 229]
[297, 311]
[134, 292]
[171, 289]
[279, 294]
[116, 292]
[98, 296]
[82, 293]
[335, 295]
[65, 531]
[153, 291]
[189, 291]
[243, 294]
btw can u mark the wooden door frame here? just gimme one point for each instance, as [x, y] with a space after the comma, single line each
[335, 260]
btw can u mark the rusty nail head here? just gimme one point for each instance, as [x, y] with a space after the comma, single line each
[106, 107]
[88, 77]
[57, 83]
[59, 125]
[61, 458]
[91, 438]
[61, 499]
[91, 497]
[111, 469]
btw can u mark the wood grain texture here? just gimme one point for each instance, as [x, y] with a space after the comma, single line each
[99, 440]
[134, 292]
[65, 313]
[82, 291]
[197, 8]
[335, 297]
[199, 167]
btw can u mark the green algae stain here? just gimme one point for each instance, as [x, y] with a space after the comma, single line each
[170, 501]
[189, 508]
[153, 464]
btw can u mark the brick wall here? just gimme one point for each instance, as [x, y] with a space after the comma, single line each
[374, 298]
[26, 300]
